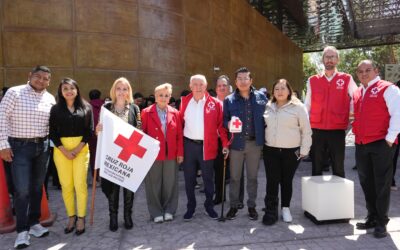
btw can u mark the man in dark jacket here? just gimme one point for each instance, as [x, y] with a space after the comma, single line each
[248, 105]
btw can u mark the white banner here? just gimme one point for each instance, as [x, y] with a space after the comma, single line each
[124, 153]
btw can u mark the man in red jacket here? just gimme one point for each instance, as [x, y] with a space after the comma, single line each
[202, 123]
[328, 102]
[376, 126]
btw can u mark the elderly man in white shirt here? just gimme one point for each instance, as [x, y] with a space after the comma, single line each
[202, 120]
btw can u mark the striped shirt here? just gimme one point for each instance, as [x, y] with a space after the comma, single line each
[24, 113]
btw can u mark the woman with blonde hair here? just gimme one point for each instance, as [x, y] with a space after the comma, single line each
[163, 123]
[122, 106]
[287, 140]
[71, 126]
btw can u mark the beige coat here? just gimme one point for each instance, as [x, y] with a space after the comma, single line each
[288, 126]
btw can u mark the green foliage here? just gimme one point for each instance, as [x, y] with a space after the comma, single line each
[350, 58]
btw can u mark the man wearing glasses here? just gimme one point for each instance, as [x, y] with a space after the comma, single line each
[248, 105]
[328, 103]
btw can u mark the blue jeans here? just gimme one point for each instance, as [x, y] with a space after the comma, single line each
[28, 168]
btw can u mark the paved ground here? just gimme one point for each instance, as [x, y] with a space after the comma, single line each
[204, 233]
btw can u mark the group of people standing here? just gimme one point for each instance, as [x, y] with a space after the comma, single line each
[280, 130]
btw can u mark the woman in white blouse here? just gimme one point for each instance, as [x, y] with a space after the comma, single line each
[287, 140]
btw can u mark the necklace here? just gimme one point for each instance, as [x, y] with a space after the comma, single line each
[119, 112]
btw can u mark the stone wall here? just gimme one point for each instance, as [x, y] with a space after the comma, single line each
[147, 41]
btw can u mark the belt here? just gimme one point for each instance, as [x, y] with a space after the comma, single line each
[195, 141]
[33, 140]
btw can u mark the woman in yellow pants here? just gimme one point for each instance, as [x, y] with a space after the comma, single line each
[71, 126]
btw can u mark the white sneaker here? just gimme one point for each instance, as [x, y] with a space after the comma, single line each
[168, 217]
[159, 219]
[38, 231]
[22, 240]
[286, 216]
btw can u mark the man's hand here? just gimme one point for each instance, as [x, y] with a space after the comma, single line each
[225, 152]
[389, 143]
[6, 154]
[179, 159]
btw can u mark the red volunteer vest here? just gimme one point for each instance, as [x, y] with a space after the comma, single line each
[330, 102]
[371, 115]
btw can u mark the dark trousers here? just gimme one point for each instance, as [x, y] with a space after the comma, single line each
[280, 167]
[28, 169]
[51, 171]
[219, 171]
[193, 155]
[7, 170]
[375, 171]
[396, 155]
[334, 141]
[113, 199]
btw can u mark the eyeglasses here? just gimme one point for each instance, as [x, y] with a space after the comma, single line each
[330, 58]
[243, 79]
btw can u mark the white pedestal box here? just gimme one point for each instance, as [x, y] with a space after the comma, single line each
[328, 197]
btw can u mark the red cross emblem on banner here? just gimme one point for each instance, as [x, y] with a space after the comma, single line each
[237, 123]
[130, 146]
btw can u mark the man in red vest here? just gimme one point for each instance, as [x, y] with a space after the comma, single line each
[376, 126]
[328, 102]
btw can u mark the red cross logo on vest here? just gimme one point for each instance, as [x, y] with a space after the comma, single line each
[375, 90]
[130, 146]
[237, 123]
[340, 83]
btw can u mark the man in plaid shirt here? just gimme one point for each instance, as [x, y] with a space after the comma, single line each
[24, 144]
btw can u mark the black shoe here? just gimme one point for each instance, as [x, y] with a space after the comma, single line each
[188, 216]
[271, 211]
[113, 222]
[68, 229]
[231, 213]
[128, 223]
[253, 215]
[240, 205]
[369, 223]
[380, 232]
[211, 213]
[82, 230]
[269, 219]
